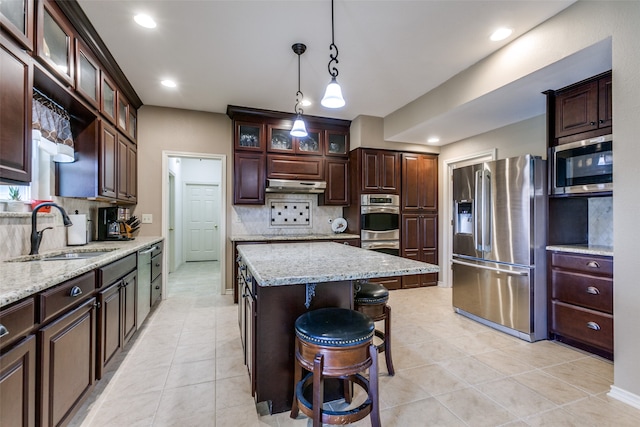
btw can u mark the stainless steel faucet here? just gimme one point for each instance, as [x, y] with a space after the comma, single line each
[36, 236]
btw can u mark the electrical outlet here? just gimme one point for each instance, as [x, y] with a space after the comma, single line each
[147, 218]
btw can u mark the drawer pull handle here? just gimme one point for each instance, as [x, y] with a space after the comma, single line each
[593, 290]
[593, 264]
[157, 264]
[75, 291]
[593, 325]
[3, 331]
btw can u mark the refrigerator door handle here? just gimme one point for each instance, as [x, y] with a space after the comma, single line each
[484, 267]
[486, 211]
[478, 213]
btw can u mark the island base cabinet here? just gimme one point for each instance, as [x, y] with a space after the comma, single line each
[67, 371]
[18, 385]
[277, 308]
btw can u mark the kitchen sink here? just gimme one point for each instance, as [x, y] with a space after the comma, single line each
[65, 256]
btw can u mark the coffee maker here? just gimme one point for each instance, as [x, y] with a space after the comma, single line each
[111, 223]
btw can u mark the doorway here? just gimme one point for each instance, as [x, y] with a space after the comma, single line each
[194, 209]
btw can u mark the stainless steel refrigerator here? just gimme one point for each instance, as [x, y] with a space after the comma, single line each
[499, 239]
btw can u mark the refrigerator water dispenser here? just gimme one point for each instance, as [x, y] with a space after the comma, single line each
[464, 218]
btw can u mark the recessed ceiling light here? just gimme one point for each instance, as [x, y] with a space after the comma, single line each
[433, 140]
[501, 34]
[168, 83]
[145, 20]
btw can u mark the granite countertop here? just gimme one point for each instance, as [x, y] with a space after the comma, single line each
[273, 237]
[316, 262]
[583, 249]
[22, 279]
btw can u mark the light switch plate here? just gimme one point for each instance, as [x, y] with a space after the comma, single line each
[147, 218]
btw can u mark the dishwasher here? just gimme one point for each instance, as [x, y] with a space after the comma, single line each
[144, 283]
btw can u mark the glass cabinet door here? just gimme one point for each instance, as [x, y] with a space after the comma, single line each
[108, 105]
[55, 41]
[279, 140]
[133, 124]
[16, 17]
[249, 136]
[87, 74]
[337, 143]
[310, 144]
[123, 113]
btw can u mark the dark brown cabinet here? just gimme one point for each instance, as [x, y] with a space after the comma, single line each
[249, 178]
[264, 148]
[18, 384]
[67, 363]
[336, 174]
[379, 171]
[420, 242]
[281, 166]
[87, 74]
[419, 182]
[15, 113]
[108, 160]
[583, 108]
[108, 95]
[55, 42]
[16, 18]
[109, 337]
[127, 170]
[581, 301]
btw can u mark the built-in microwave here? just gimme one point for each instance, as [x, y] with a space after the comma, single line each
[584, 166]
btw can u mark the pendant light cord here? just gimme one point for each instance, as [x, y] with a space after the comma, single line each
[333, 71]
[299, 96]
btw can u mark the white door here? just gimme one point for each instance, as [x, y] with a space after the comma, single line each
[201, 215]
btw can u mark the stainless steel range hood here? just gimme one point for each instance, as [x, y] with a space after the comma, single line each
[293, 186]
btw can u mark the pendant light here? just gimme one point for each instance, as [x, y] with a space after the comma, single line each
[333, 95]
[299, 129]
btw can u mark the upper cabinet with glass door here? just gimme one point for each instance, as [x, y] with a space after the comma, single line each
[337, 142]
[108, 97]
[279, 140]
[87, 74]
[249, 136]
[55, 41]
[16, 18]
[122, 117]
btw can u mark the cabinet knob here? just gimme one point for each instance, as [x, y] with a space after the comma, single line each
[592, 123]
[601, 121]
[3, 331]
[97, 305]
[593, 290]
[593, 325]
[75, 291]
[593, 264]
[157, 264]
[157, 286]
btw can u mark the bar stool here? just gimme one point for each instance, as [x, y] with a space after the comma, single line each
[335, 343]
[371, 299]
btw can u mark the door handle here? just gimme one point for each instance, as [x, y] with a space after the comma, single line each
[486, 267]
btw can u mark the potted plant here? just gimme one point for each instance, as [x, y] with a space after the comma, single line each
[15, 201]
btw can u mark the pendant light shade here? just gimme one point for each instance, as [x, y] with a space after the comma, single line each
[299, 130]
[333, 95]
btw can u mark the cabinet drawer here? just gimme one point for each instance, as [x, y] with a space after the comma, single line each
[112, 272]
[156, 290]
[585, 263]
[16, 321]
[291, 167]
[157, 249]
[156, 267]
[58, 299]
[391, 283]
[582, 289]
[582, 324]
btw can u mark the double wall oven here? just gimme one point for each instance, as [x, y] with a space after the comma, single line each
[380, 221]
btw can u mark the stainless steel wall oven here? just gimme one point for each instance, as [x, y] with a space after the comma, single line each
[380, 223]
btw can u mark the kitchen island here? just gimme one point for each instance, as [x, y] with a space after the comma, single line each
[278, 283]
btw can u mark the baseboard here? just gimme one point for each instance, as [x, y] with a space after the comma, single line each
[624, 396]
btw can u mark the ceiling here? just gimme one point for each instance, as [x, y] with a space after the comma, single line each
[391, 52]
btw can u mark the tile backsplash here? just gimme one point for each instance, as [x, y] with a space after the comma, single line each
[284, 214]
[15, 228]
[601, 221]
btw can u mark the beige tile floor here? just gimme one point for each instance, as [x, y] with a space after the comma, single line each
[184, 368]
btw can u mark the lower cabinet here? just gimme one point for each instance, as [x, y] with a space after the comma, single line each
[420, 242]
[581, 301]
[391, 283]
[67, 363]
[156, 276]
[18, 384]
[116, 317]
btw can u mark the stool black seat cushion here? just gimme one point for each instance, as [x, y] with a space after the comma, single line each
[371, 293]
[334, 327]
